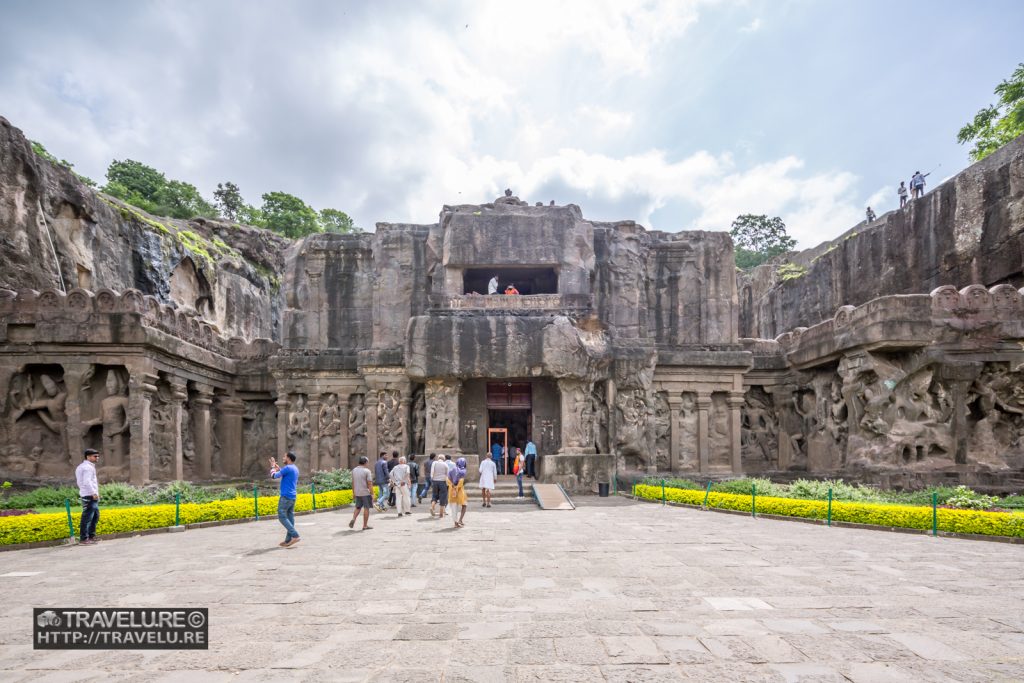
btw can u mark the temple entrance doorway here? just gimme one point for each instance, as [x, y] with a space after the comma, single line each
[509, 419]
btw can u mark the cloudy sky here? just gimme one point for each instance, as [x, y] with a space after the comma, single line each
[679, 114]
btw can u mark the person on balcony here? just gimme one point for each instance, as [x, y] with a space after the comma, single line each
[492, 285]
[511, 289]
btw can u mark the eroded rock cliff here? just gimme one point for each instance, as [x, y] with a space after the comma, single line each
[967, 230]
[58, 233]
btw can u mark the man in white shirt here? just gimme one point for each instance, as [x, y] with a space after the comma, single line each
[492, 285]
[401, 484]
[89, 491]
[439, 485]
[488, 473]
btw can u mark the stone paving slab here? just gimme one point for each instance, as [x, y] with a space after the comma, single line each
[613, 591]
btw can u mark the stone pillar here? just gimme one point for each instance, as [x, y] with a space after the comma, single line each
[230, 414]
[283, 406]
[343, 457]
[703, 431]
[179, 392]
[675, 433]
[442, 408]
[141, 388]
[960, 379]
[75, 432]
[203, 436]
[406, 408]
[370, 404]
[314, 271]
[314, 431]
[736, 402]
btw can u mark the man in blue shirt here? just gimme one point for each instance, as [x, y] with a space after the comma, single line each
[289, 476]
[531, 459]
[381, 477]
[496, 455]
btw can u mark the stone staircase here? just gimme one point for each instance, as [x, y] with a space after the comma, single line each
[506, 492]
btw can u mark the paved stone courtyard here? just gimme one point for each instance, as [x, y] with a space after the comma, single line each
[614, 591]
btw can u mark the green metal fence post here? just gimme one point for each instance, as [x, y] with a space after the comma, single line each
[71, 525]
[662, 491]
[615, 484]
[177, 509]
[312, 487]
[830, 507]
[935, 514]
[256, 500]
[753, 500]
[706, 494]
[634, 487]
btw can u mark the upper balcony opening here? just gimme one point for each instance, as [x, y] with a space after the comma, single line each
[528, 280]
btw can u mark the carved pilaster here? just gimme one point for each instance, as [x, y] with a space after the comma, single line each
[577, 416]
[230, 414]
[371, 425]
[179, 393]
[74, 373]
[675, 434]
[141, 389]
[203, 435]
[703, 431]
[736, 401]
[314, 433]
[343, 433]
[283, 408]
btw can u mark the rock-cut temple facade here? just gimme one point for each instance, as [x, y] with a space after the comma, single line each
[196, 350]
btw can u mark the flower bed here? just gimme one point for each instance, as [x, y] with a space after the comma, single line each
[901, 516]
[53, 526]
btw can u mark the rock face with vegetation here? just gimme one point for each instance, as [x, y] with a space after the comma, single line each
[60, 234]
[968, 230]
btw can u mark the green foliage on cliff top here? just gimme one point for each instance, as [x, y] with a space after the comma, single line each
[38, 148]
[147, 188]
[758, 239]
[997, 124]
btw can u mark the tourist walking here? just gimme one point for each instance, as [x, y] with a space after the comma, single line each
[289, 476]
[414, 477]
[450, 467]
[380, 478]
[488, 473]
[917, 184]
[427, 488]
[89, 492]
[392, 464]
[531, 459]
[517, 468]
[457, 491]
[902, 192]
[439, 484]
[402, 487]
[362, 492]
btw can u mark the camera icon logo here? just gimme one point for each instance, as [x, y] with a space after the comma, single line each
[48, 618]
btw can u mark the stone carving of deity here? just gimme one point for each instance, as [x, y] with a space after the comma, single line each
[390, 425]
[114, 420]
[49, 407]
[442, 407]
[419, 423]
[298, 418]
[330, 429]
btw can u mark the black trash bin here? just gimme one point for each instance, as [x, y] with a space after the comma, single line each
[602, 489]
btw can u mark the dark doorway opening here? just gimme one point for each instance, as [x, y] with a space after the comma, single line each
[517, 424]
[543, 280]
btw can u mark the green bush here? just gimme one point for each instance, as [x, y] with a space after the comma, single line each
[765, 487]
[674, 483]
[190, 493]
[332, 480]
[818, 490]
[44, 496]
[900, 516]
[966, 499]
[117, 493]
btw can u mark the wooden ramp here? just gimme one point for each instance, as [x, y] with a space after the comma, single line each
[552, 497]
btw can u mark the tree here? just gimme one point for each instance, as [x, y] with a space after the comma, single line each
[999, 123]
[288, 215]
[228, 199]
[758, 239]
[337, 222]
[136, 180]
[182, 200]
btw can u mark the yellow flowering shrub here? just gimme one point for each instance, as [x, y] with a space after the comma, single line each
[52, 526]
[878, 514]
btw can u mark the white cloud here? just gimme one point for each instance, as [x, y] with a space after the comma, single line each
[752, 27]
